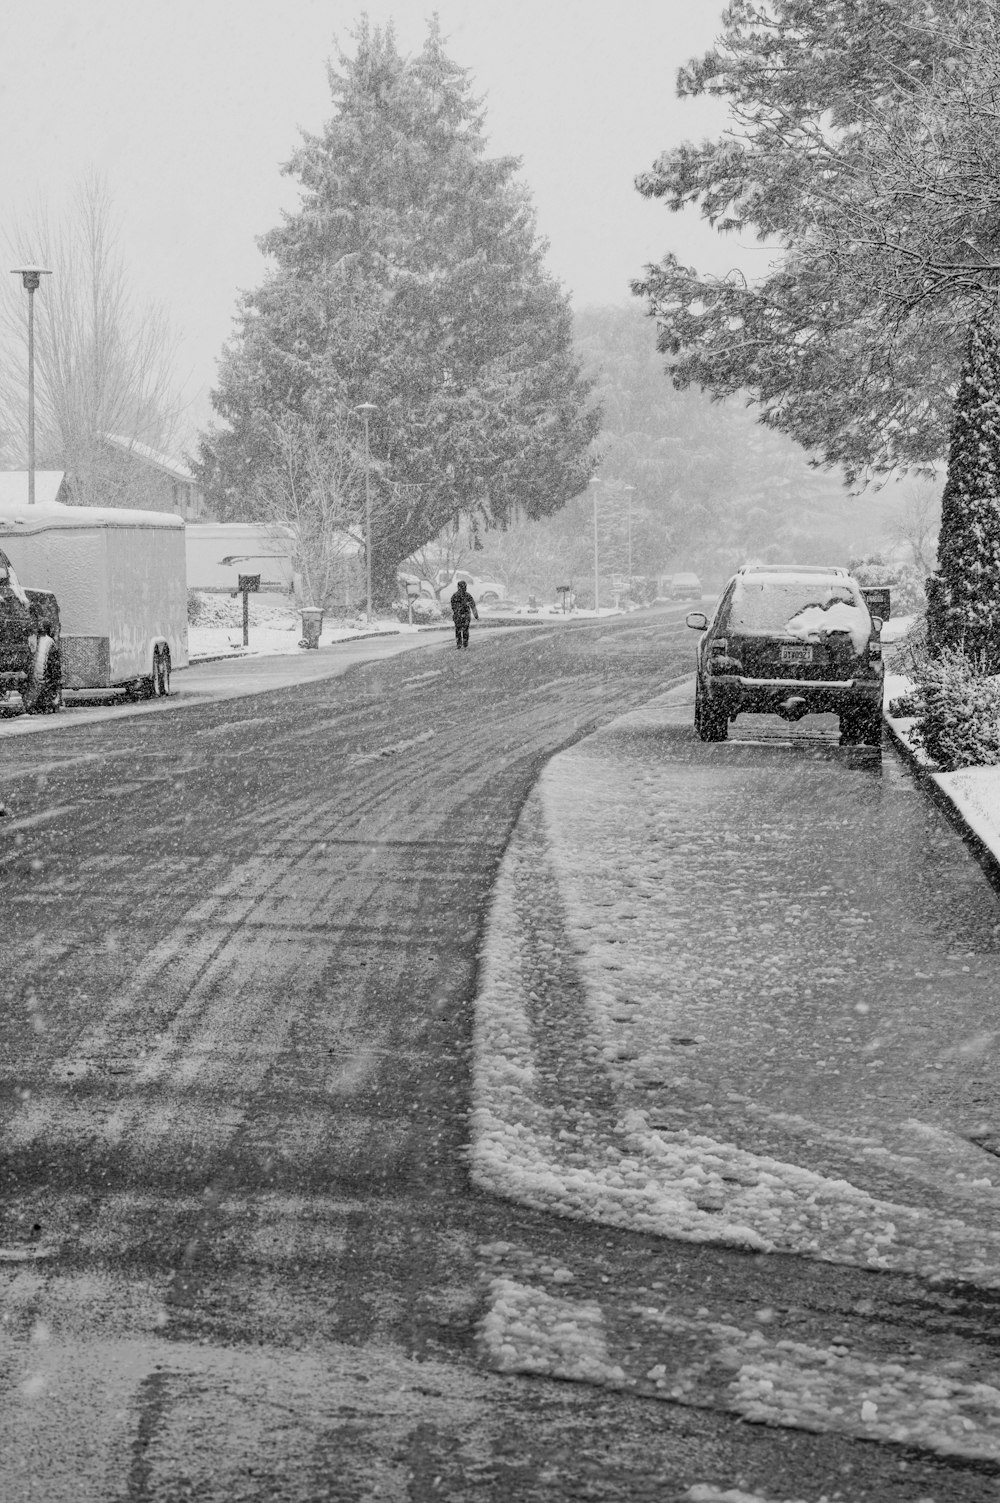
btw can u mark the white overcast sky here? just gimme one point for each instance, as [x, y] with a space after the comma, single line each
[187, 108]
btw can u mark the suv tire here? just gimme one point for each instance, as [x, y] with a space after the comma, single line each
[708, 722]
[861, 727]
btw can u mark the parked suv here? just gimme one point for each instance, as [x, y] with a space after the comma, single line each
[685, 587]
[790, 640]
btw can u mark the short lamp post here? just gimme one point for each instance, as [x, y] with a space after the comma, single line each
[366, 409]
[31, 276]
[628, 496]
[595, 482]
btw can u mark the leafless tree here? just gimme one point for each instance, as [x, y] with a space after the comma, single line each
[916, 522]
[315, 466]
[103, 365]
[442, 555]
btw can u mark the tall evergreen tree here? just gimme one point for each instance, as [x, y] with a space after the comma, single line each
[964, 595]
[411, 277]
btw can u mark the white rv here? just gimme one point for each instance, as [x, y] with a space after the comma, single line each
[120, 582]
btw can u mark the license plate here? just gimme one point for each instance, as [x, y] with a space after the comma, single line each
[796, 654]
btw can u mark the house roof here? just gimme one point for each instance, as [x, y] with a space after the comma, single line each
[14, 486]
[175, 468]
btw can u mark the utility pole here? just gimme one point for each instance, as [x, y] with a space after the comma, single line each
[595, 482]
[366, 409]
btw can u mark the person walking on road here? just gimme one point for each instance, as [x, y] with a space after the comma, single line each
[463, 608]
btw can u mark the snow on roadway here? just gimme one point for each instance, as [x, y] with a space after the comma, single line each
[791, 1383]
[612, 843]
[588, 978]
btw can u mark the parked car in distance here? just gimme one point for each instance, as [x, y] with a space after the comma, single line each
[483, 591]
[789, 640]
[685, 587]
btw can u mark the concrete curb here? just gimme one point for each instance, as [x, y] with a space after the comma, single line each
[984, 844]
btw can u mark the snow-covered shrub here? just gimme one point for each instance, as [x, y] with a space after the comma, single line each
[957, 705]
[424, 611]
[905, 581]
[905, 705]
[195, 607]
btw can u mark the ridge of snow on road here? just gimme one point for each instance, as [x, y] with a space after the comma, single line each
[791, 1383]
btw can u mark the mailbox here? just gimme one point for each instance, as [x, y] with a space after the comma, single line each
[877, 600]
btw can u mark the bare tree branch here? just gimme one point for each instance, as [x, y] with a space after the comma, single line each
[103, 364]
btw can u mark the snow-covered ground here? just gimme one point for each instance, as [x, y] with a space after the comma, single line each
[273, 629]
[601, 848]
[586, 977]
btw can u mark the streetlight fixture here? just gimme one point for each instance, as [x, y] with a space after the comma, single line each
[595, 482]
[366, 409]
[31, 276]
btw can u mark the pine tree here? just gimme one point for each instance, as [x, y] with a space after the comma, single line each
[412, 277]
[863, 145]
[964, 595]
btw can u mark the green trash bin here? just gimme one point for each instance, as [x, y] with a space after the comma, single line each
[312, 625]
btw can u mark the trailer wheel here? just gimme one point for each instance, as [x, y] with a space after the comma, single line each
[42, 693]
[161, 672]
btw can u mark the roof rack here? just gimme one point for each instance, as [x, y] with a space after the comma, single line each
[793, 569]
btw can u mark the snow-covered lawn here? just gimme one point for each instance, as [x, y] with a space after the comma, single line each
[277, 629]
[273, 629]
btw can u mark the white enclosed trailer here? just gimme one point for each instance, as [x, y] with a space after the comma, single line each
[120, 581]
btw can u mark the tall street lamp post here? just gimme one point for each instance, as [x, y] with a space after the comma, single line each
[366, 409]
[628, 496]
[31, 277]
[595, 482]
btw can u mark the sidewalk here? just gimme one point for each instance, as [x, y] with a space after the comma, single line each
[230, 675]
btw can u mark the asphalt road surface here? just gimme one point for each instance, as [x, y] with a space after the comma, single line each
[241, 1254]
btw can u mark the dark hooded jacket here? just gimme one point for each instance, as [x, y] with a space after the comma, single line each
[463, 607]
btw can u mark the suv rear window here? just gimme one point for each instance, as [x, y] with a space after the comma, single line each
[769, 604]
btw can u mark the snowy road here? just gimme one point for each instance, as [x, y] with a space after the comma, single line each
[768, 961]
[745, 995]
[241, 1250]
